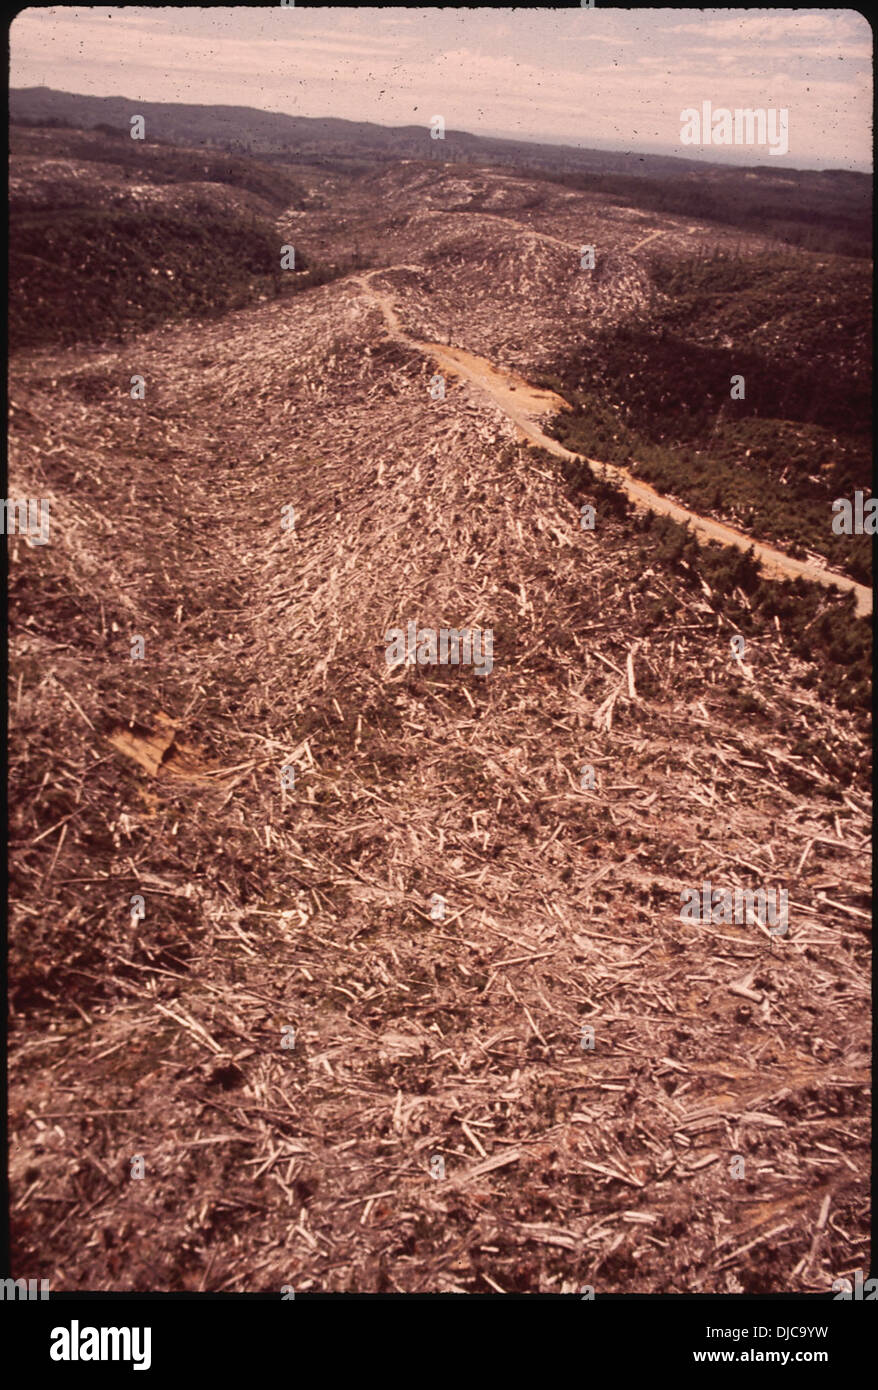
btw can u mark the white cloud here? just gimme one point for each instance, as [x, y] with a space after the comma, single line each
[779, 28]
[547, 74]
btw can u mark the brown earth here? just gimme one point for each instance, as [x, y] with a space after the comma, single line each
[715, 1138]
[525, 405]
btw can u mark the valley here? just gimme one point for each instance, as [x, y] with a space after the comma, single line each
[330, 1086]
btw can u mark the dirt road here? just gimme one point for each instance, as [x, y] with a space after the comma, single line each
[526, 405]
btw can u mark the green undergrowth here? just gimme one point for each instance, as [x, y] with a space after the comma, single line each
[98, 274]
[819, 625]
[655, 395]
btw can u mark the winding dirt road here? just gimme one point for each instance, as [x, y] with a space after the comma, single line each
[526, 405]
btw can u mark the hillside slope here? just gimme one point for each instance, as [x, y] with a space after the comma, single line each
[693, 1147]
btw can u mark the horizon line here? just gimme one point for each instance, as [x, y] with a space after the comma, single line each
[658, 151]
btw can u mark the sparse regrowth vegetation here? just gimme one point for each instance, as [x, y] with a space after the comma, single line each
[817, 624]
[823, 212]
[186, 234]
[656, 394]
[203, 717]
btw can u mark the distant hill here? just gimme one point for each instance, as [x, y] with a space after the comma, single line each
[823, 210]
[272, 132]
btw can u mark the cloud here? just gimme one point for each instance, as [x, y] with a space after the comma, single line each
[546, 74]
[778, 28]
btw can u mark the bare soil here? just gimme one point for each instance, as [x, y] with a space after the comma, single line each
[328, 1085]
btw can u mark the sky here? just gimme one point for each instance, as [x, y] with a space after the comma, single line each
[600, 78]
